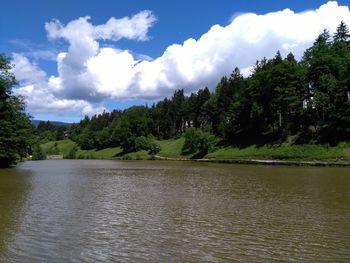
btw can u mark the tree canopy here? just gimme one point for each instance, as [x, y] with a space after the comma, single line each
[15, 127]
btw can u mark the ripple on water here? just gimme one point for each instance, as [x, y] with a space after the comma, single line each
[103, 211]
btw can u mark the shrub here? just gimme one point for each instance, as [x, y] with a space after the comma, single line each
[141, 143]
[191, 141]
[197, 140]
[53, 150]
[128, 143]
[72, 153]
[38, 153]
[154, 148]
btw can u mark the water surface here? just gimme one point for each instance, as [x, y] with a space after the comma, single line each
[109, 211]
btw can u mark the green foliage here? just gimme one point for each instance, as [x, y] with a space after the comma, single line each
[15, 128]
[38, 153]
[191, 140]
[328, 77]
[72, 154]
[143, 143]
[53, 150]
[65, 146]
[127, 142]
[47, 131]
[281, 152]
[342, 33]
[197, 140]
[154, 148]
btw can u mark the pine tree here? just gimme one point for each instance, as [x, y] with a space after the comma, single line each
[342, 33]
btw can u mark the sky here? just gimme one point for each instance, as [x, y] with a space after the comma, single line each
[77, 58]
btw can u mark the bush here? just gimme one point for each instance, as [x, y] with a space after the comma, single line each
[38, 153]
[197, 140]
[72, 153]
[128, 143]
[53, 150]
[141, 143]
[154, 148]
[191, 141]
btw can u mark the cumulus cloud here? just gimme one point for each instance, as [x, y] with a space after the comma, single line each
[75, 88]
[248, 37]
[88, 73]
[39, 91]
[77, 78]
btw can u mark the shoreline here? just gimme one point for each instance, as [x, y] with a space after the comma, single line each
[314, 163]
[300, 155]
[278, 162]
[261, 162]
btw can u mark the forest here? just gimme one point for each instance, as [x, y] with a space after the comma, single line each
[302, 102]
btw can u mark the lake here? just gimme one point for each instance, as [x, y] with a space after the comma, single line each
[160, 211]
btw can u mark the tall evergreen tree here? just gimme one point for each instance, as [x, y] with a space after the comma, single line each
[342, 33]
[15, 127]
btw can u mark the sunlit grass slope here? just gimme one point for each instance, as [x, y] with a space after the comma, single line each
[172, 149]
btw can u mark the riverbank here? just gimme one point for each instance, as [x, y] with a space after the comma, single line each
[296, 155]
[329, 163]
[281, 162]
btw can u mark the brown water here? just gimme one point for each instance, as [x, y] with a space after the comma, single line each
[108, 211]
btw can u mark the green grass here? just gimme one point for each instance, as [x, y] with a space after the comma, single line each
[282, 152]
[108, 153]
[140, 155]
[172, 149]
[64, 147]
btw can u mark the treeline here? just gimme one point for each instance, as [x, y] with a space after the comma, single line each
[307, 100]
[48, 131]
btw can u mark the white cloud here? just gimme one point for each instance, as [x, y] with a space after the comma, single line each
[135, 27]
[76, 88]
[90, 73]
[197, 63]
[26, 72]
[39, 91]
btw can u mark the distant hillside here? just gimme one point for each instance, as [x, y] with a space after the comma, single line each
[56, 123]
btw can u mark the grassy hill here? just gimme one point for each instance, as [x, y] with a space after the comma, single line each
[64, 146]
[172, 149]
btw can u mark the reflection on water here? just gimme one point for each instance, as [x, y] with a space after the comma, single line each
[14, 188]
[105, 211]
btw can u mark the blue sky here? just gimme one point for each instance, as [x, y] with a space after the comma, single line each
[54, 94]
